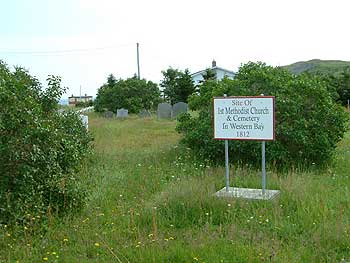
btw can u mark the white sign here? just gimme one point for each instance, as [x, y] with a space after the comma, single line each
[244, 118]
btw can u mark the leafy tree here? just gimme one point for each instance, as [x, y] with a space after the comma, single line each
[209, 74]
[111, 80]
[40, 148]
[204, 89]
[338, 83]
[178, 85]
[343, 86]
[200, 99]
[132, 94]
[309, 123]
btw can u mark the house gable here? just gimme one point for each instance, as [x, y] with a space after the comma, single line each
[220, 73]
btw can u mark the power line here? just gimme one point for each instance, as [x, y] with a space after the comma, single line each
[62, 52]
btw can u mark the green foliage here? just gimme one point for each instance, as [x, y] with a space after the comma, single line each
[177, 84]
[335, 72]
[132, 94]
[83, 104]
[40, 148]
[309, 123]
[342, 84]
[337, 84]
[209, 74]
[206, 91]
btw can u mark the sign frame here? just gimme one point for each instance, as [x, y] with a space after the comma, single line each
[246, 97]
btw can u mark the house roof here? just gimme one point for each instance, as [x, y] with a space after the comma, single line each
[78, 97]
[213, 68]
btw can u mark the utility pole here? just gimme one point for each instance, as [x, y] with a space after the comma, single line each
[138, 61]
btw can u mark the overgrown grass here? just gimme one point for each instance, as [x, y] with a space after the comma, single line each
[150, 201]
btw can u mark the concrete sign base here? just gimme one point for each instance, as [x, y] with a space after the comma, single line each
[247, 193]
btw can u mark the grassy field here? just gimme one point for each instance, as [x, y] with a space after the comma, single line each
[150, 201]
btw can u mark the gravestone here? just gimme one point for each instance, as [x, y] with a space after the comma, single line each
[164, 111]
[109, 114]
[122, 113]
[179, 108]
[85, 121]
[145, 114]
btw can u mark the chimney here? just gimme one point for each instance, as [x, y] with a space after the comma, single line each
[213, 64]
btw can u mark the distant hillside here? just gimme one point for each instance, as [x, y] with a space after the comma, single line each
[317, 65]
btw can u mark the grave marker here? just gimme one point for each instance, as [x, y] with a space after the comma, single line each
[145, 114]
[179, 108]
[164, 111]
[122, 113]
[85, 121]
[108, 114]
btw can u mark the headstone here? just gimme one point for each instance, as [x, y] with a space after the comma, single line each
[109, 114]
[85, 121]
[179, 108]
[122, 113]
[145, 114]
[164, 111]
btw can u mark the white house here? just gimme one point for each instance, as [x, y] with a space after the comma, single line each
[219, 72]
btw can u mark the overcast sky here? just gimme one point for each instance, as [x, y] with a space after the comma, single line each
[83, 41]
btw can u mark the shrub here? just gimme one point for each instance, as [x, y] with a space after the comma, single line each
[40, 148]
[83, 104]
[132, 94]
[308, 121]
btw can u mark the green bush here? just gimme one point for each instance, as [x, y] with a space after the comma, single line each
[40, 148]
[83, 104]
[309, 124]
[132, 94]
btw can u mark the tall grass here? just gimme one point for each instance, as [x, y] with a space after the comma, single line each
[150, 201]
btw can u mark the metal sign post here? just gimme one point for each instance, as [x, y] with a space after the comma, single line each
[227, 164]
[263, 168]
